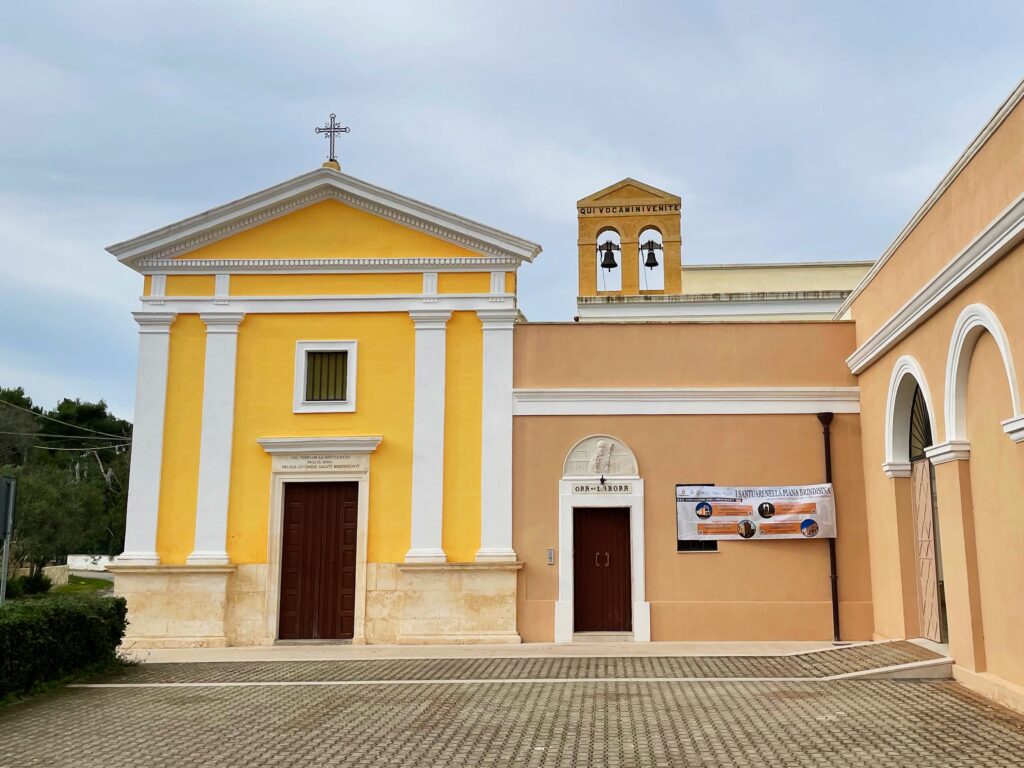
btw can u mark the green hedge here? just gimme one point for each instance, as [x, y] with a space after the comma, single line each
[53, 638]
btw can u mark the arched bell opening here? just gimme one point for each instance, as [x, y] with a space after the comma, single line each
[609, 260]
[651, 259]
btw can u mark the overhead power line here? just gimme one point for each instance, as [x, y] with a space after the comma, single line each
[118, 440]
[58, 421]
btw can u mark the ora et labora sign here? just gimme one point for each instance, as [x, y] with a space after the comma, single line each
[767, 512]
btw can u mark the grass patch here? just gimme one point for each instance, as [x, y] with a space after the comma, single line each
[79, 585]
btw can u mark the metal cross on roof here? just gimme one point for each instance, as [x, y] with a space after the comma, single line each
[332, 129]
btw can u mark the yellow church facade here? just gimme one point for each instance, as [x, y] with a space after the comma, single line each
[402, 315]
[346, 429]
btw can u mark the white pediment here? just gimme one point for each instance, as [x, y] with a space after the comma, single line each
[311, 188]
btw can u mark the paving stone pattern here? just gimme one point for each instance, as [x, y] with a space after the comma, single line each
[875, 723]
[821, 664]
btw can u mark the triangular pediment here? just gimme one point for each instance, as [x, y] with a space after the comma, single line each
[628, 189]
[322, 214]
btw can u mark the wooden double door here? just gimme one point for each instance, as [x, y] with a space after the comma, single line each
[602, 583]
[318, 561]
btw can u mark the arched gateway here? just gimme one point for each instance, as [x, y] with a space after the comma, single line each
[601, 538]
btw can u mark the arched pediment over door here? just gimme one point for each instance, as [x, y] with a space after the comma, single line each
[600, 455]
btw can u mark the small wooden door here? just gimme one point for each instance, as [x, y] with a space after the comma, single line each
[928, 597]
[601, 570]
[318, 561]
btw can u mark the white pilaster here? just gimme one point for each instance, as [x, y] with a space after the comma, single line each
[428, 436]
[147, 439]
[496, 437]
[215, 439]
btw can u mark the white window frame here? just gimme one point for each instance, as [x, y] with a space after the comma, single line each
[300, 404]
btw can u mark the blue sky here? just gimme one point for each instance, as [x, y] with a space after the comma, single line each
[792, 130]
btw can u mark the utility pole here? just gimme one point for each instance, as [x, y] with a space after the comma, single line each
[8, 485]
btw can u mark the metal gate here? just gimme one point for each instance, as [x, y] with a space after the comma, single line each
[928, 597]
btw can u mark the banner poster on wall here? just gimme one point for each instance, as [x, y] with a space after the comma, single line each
[705, 512]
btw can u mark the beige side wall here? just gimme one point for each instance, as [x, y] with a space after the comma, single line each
[755, 590]
[990, 182]
[993, 484]
[748, 590]
[997, 489]
[785, 354]
[736, 278]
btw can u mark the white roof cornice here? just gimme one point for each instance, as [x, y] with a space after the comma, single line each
[313, 187]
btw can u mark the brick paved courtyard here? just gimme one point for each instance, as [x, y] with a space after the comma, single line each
[512, 712]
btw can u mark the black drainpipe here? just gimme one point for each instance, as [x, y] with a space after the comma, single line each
[826, 420]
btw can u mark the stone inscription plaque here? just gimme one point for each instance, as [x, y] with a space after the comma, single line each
[323, 462]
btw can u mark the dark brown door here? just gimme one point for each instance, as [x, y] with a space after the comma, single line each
[601, 586]
[318, 561]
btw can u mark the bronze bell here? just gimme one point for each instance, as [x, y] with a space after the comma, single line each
[651, 261]
[608, 259]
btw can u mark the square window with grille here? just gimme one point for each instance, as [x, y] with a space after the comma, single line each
[326, 377]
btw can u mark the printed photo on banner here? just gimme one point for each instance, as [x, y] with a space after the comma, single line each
[755, 512]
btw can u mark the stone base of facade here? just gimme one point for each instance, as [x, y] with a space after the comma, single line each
[441, 603]
[174, 606]
[405, 603]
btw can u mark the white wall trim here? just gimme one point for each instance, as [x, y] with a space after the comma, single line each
[496, 436]
[354, 266]
[1003, 234]
[280, 447]
[965, 158]
[148, 433]
[299, 402]
[215, 439]
[571, 401]
[686, 308]
[308, 189]
[428, 436]
[221, 288]
[158, 285]
[567, 502]
[975, 320]
[906, 374]
[951, 450]
[409, 302]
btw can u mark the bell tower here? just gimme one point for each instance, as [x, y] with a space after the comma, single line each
[629, 241]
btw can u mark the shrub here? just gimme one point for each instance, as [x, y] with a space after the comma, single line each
[37, 583]
[43, 641]
[15, 588]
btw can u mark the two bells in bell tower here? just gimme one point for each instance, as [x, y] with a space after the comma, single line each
[629, 241]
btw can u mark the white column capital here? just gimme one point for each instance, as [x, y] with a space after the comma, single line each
[1014, 428]
[894, 469]
[502, 319]
[430, 319]
[222, 322]
[154, 322]
[951, 450]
